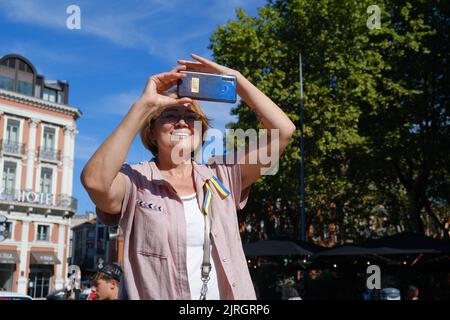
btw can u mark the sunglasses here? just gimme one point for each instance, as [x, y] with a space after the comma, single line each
[172, 117]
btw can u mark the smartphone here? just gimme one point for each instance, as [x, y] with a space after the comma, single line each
[207, 86]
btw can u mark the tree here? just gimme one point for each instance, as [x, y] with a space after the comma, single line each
[376, 111]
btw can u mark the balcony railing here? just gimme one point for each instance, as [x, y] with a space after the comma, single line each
[59, 201]
[12, 147]
[49, 154]
[42, 236]
[66, 201]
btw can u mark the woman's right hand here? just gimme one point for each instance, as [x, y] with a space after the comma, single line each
[101, 176]
[151, 96]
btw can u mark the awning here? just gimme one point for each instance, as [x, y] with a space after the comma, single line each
[399, 244]
[8, 257]
[408, 243]
[274, 248]
[44, 258]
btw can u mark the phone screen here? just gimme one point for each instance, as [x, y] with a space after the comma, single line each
[207, 86]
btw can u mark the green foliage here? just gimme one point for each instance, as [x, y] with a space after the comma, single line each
[376, 110]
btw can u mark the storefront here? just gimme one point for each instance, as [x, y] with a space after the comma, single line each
[8, 261]
[41, 276]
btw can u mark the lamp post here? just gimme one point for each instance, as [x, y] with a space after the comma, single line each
[302, 160]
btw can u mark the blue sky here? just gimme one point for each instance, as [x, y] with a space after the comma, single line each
[107, 62]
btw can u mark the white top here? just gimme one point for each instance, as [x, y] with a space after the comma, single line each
[195, 233]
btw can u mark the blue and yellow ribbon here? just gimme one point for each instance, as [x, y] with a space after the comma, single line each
[219, 187]
[208, 192]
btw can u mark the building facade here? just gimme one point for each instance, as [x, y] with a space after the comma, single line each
[83, 246]
[108, 244]
[95, 245]
[37, 140]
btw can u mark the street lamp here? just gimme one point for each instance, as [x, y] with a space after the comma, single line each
[302, 160]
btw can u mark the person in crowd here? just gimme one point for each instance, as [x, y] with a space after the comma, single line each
[107, 281]
[290, 293]
[412, 293]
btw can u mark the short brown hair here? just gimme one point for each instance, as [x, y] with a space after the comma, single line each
[102, 276]
[146, 132]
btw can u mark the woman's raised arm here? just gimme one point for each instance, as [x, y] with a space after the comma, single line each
[101, 177]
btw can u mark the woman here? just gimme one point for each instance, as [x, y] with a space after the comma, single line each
[159, 204]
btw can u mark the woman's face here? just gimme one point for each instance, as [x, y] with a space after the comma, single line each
[175, 132]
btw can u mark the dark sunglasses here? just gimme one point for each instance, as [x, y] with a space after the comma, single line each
[173, 117]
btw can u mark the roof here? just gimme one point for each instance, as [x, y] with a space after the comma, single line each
[274, 248]
[280, 247]
[40, 103]
[53, 85]
[87, 224]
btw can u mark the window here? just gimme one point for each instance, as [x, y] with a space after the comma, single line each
[8, 231]
[12, 131]
[37, 91]
[49, 95]
[46, 180]
[22, 66]
[39, 282]
[49, 138]
[12, 63]
[25, 88]
[9, 176]
[101, 240]
[6, 83]
[48, 148]
[100, 233]
[7, 279]
[43, 233]
[78, 240]
[60, 97]
[12, 138]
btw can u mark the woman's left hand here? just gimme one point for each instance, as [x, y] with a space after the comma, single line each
[204, 65]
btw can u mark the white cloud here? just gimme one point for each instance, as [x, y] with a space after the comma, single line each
[44, 13]
[165, 29]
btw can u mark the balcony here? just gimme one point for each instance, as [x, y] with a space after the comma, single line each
[39, 199]
[65, 201]
[12, 147]
[49, 154]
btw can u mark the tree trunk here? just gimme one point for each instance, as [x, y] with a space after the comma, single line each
[415, 222]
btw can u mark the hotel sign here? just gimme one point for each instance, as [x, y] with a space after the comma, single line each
[46, 199]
